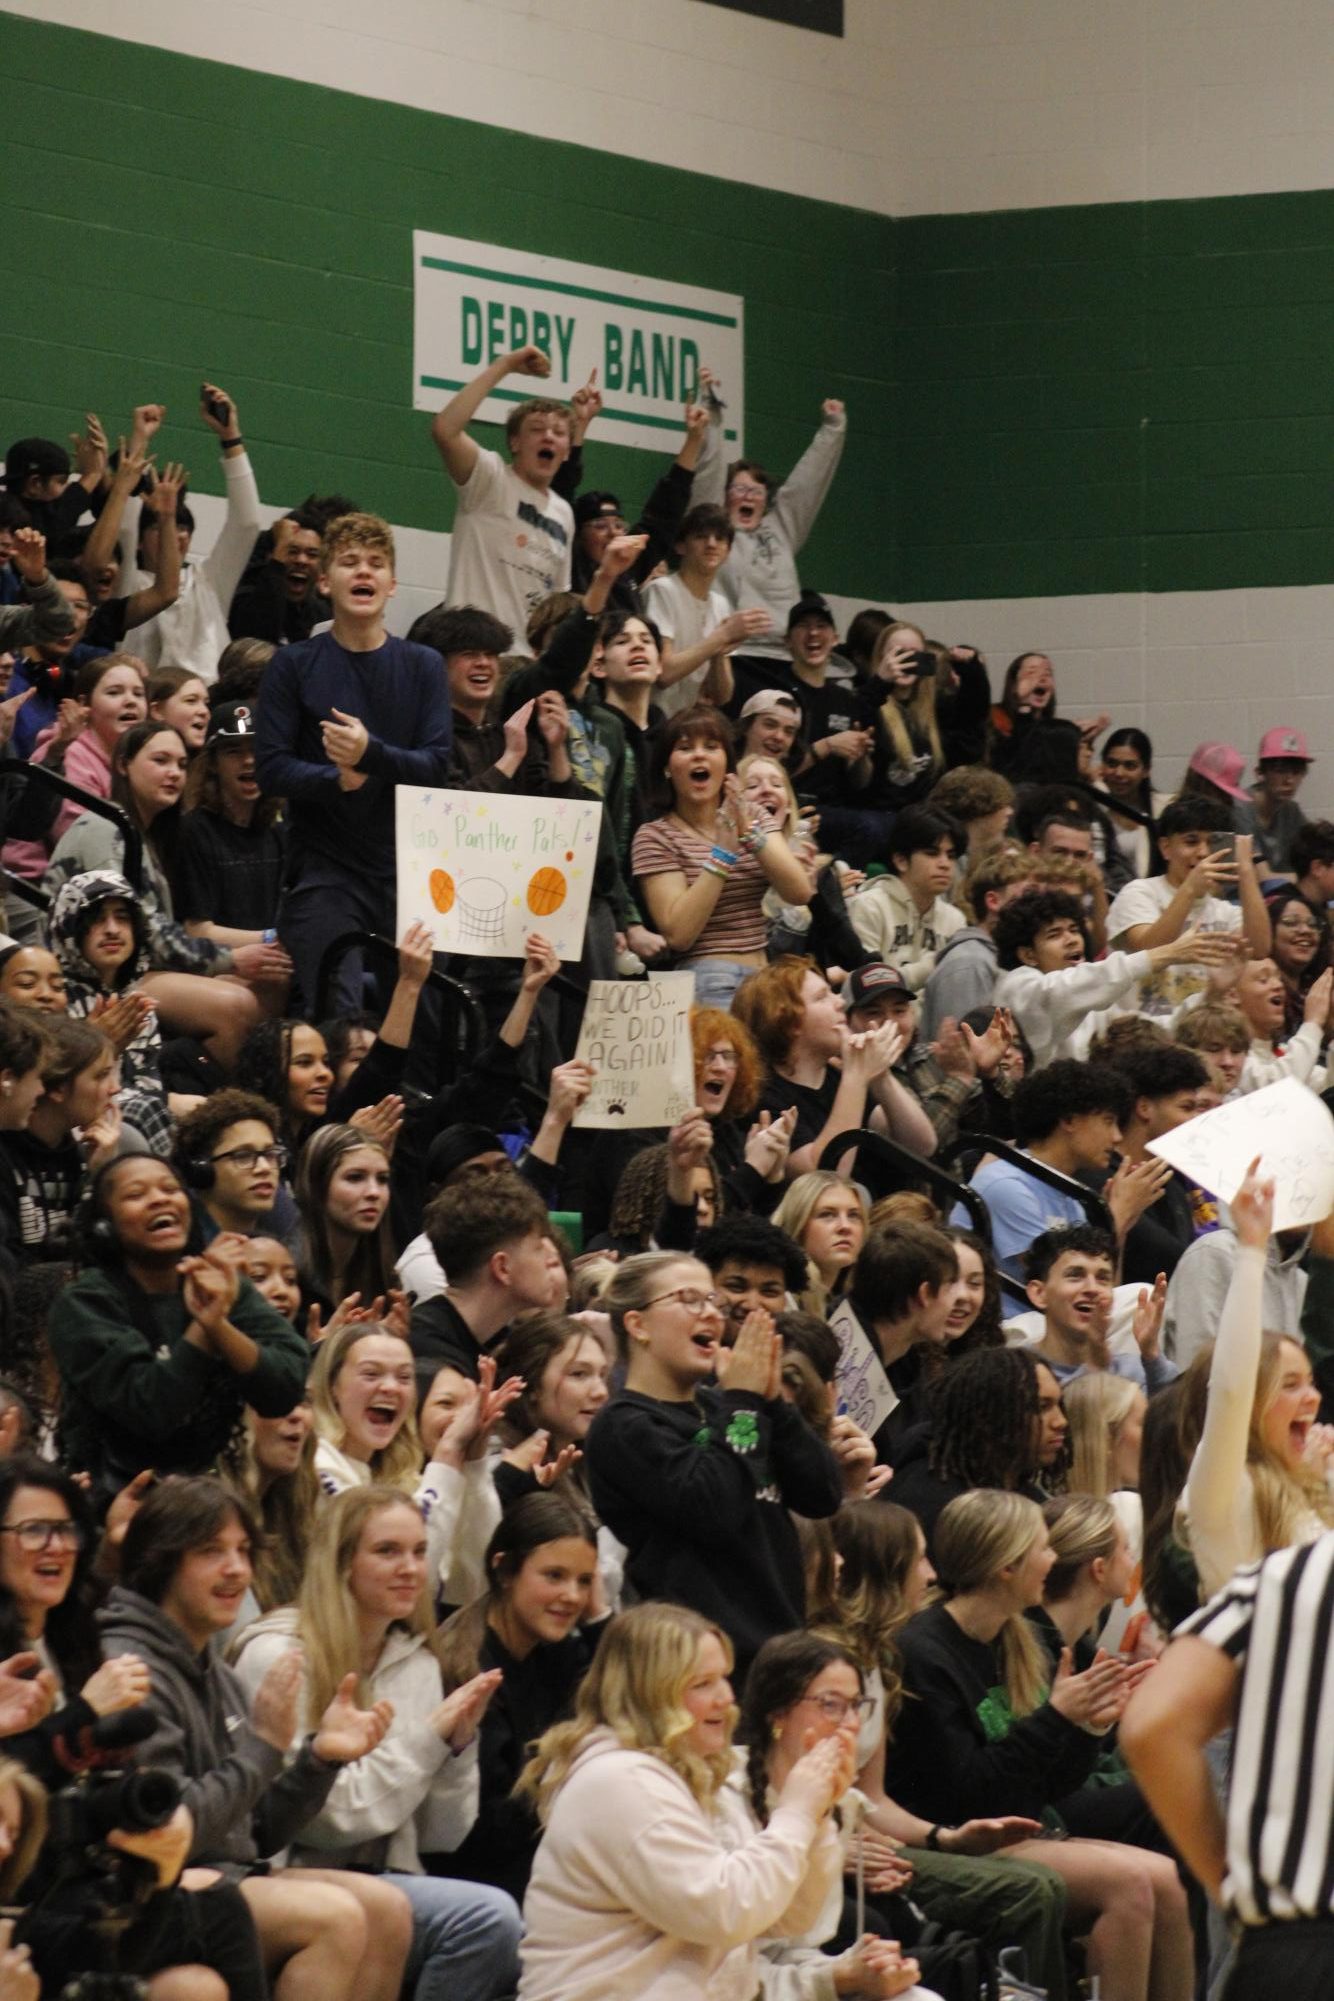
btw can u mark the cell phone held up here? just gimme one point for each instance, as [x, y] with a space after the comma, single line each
[218, 407]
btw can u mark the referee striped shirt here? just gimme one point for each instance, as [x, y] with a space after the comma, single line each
[1273, 1621]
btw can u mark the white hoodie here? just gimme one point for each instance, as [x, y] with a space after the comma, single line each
[409, 1794]
[634, 1892]
[460, 1511]
[1061, 1012]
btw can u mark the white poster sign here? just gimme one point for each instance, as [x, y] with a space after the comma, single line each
[636, 1035]
[865, 1393]
[1286, 1125]
[646, 337]
[483, 870]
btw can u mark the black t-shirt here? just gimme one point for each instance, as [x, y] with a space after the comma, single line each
[229, 874]
[439, 1335]
[106, 627]
[814, 1103]
[826, 711]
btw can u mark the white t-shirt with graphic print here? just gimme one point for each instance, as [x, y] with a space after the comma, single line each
[511, 545]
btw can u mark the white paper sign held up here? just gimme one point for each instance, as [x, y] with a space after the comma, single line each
[636, 1035]
[865, 1392]
[483, 870]
[1291, 1130]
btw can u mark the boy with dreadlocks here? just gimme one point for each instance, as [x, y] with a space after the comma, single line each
[995, 1420]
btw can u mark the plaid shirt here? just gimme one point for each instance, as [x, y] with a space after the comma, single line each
[943, 1096]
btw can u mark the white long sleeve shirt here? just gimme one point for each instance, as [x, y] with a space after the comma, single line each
[1061, 1012]
[193, 632]
[460, 1511]
[1219, 1500]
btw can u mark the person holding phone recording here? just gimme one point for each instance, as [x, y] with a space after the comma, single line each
[1194, 836]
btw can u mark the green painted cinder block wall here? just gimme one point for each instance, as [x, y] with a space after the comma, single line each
[1121, 398]
[172, 219]
[1057, 401]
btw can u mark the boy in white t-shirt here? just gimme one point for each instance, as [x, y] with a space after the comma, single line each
[512, 535]
[693, 617]
[1195, 840]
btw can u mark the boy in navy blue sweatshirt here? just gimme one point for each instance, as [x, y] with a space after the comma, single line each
[343, 718]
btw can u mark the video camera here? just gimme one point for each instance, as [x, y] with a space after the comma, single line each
[99, 1886]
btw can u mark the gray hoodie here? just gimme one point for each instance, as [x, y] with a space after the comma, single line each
[1199, 1286]
[244, 1804]
[46, 616]
[761, 572]
[964, 977]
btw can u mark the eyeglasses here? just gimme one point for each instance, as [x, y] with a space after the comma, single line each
[836, 1707]
[691, 1298]
[250, 1156]
[1298, 927]
[33, 1537]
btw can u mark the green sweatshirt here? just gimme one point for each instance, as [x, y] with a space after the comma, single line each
[137, 1394]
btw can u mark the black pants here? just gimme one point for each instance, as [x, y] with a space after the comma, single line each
[1293, 1960]
[175, 1928]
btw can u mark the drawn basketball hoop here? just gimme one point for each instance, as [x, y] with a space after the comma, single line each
[481, 907]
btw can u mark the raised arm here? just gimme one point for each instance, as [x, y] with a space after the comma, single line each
[1219, 1496]
[803, 492]
[1212, 875]
[47, 614]
[225, 563]
[449, 427]
[1255, 922]
[165, 588]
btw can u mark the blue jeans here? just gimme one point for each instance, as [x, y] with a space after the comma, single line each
[465, 1939]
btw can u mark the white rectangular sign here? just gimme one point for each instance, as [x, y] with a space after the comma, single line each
[1286, 1125]
[483, 870]
[865, 1393]
[646, 337]
[636, 1035]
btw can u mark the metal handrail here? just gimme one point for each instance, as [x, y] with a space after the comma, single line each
[1094, 1206]
[463, 1009]
[55, 781]
[1111, 805]
[908, 1166]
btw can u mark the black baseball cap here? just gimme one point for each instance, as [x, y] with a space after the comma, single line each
[592, 506]
[873, 983]
[27, 456]
[810, 605]
[231, 722]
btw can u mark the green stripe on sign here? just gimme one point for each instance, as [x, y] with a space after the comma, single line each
[580, 292]
[517, 396]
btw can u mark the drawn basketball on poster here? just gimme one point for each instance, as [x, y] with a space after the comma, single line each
[482, 912]
[442, 891]
[546, 891]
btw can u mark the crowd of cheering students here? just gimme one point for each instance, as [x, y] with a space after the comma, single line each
[518, 1620]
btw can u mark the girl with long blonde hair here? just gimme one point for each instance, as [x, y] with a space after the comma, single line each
[985, 1727]
[828, 1216]
[364, 1622]
[1257, 1480]
[633, 1891]
[363, 1396]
